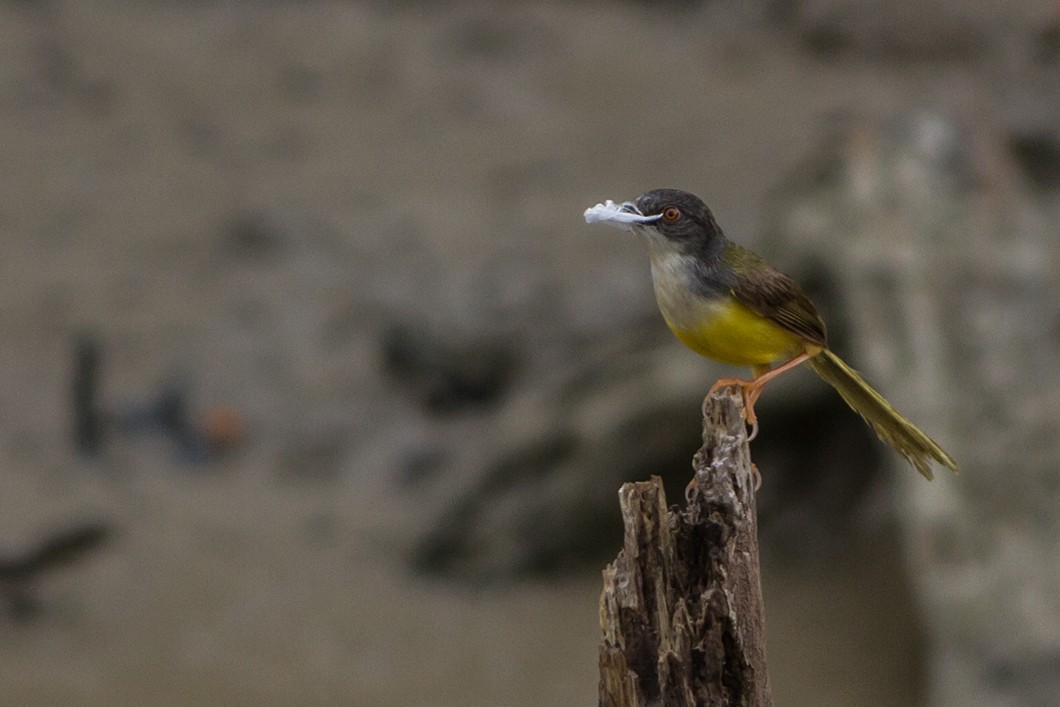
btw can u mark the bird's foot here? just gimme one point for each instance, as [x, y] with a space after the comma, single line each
[754, 431]
[750, 392]
[728, 383]
[690, 490]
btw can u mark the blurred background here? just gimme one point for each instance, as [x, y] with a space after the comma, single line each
[315, 388]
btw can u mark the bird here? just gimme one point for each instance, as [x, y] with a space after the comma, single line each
[726, 303]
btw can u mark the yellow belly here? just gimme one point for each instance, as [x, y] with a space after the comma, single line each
[731, 333]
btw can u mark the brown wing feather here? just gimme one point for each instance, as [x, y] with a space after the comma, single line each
[768, 292]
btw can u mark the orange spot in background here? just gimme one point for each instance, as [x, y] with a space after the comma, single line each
[223, 426]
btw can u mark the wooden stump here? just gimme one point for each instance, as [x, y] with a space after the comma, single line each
[681, 609]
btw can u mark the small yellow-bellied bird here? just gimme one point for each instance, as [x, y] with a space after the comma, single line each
[726, 303]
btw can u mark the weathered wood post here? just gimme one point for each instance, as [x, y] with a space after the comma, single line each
[681, 609]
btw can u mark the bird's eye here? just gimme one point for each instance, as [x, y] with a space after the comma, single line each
[671, 214]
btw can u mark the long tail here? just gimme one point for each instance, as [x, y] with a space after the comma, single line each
[901, 434]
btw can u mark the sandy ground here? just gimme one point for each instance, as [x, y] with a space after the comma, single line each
[402, 149]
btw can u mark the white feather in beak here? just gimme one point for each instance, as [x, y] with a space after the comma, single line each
[624, 215]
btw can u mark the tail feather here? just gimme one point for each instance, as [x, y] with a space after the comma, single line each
[901, 434]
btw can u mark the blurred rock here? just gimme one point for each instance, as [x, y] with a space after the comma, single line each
[539, 495]
[946, 274]
[445, 377]
[1038, 154]
[255, 234]
[1049, 43]
[895, 31]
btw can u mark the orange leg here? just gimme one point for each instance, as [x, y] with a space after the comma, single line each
[752, 389]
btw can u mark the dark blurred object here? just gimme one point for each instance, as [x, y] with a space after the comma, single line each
[512, 523]
[170, 413]
[20, 571]
[446, 376]
[256, 234]
[1038, 154]
[820, 465]
[88, 416]
[198, 435]
[889, 32]
[547, 505]
[1049, 43]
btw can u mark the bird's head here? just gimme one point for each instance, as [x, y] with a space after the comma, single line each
[667, 218]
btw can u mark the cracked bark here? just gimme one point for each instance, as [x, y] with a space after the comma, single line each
[681, 609]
